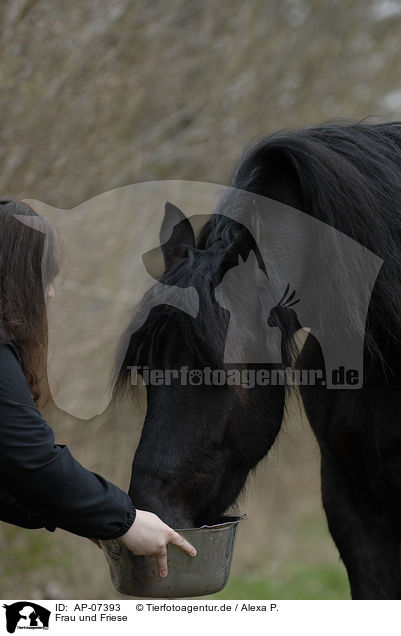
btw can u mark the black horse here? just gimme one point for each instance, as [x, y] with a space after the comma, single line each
[200, 442]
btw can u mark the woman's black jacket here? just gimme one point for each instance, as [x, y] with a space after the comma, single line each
[41, 484]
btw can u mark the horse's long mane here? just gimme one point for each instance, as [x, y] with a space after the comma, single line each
[348, 176]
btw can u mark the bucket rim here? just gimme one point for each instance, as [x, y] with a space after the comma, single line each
[228, 521]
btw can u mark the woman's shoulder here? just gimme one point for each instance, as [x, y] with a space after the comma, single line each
[13, 383]
[7, 346]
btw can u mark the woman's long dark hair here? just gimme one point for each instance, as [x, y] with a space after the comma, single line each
[30, 258]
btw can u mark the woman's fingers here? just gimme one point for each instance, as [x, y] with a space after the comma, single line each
[150, 535]
[162, 562]
[182, 543]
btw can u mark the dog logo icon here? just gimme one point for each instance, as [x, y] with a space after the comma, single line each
[26, 615]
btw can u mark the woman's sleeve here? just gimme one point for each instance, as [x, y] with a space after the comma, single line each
[44, 476]
[18, 514]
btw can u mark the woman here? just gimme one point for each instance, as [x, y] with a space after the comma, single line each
[41, 484]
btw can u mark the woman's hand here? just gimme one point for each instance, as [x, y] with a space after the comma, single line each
[150, 535]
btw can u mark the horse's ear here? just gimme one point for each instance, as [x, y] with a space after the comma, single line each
[176, 234]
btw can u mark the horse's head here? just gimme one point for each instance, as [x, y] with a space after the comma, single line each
[202, 433]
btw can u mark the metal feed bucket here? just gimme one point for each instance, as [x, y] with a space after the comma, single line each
[187, 576]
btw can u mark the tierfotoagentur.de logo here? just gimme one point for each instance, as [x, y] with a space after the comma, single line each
[26, 615]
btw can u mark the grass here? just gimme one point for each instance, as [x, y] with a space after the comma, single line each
[299, 582]
[33, 559]
[30, 560]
